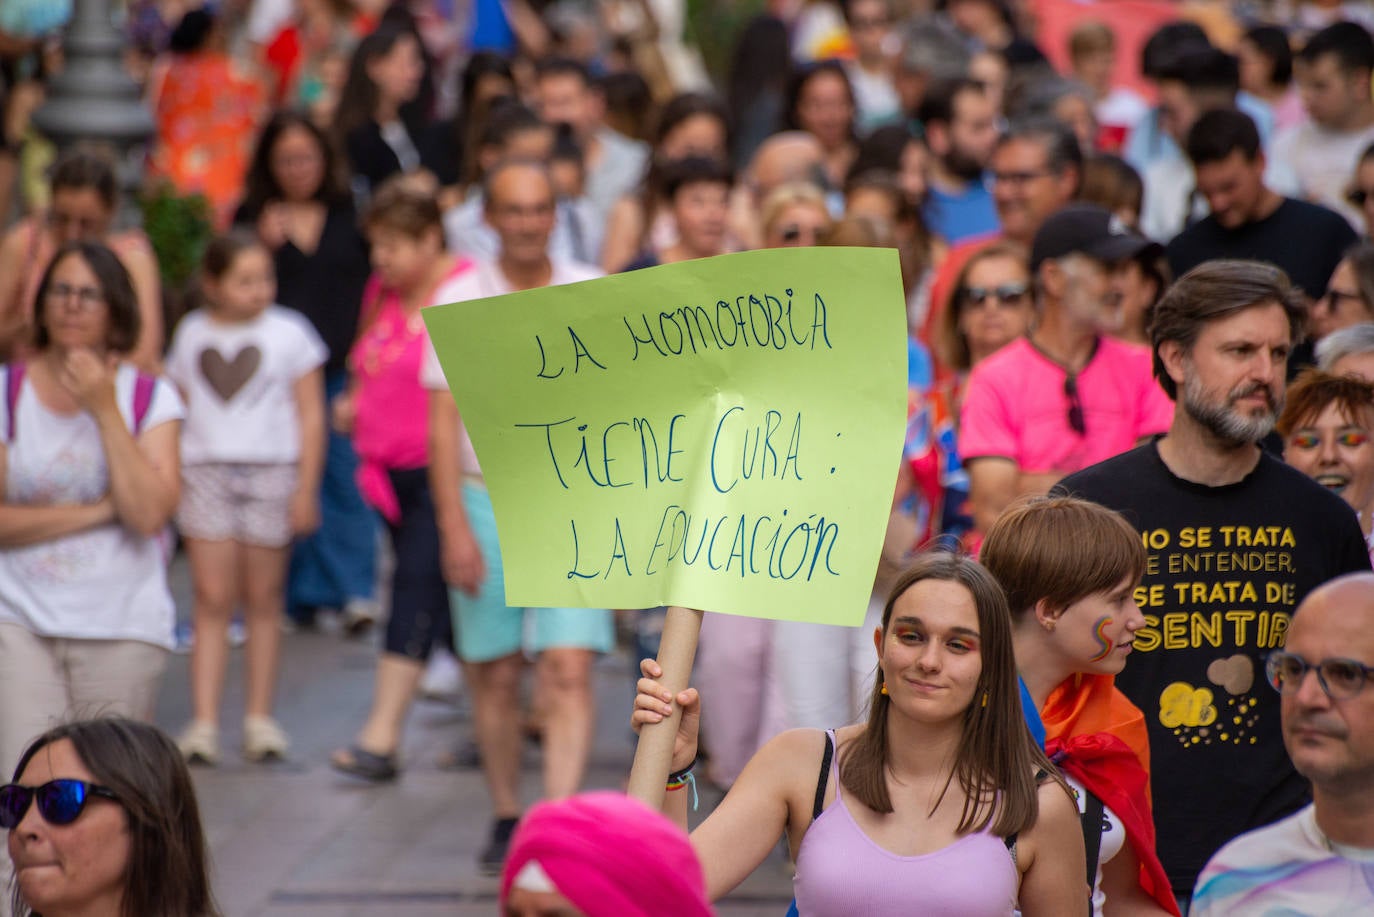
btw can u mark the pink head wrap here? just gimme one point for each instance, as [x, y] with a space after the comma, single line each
[611, 856]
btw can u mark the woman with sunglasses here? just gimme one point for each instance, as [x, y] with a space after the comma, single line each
[91, 469]
[991, 307]
[84, 201]
[1349, 297]
[102, 821]
[794, 215]
[941, 803]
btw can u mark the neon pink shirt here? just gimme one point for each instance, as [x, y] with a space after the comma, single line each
[1016, 408]
[391, 408]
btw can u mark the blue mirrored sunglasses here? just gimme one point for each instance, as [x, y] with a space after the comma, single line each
[60, 802]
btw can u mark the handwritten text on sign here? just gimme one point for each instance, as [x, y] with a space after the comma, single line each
[722, 434]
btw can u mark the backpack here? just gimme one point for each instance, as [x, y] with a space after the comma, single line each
[14, 381]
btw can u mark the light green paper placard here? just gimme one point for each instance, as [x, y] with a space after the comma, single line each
[721, 434]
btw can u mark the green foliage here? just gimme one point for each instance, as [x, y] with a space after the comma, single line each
[714, 27]
[179, 227]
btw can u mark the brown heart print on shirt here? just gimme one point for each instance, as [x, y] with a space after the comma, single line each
[226, 377]
[1236, 674]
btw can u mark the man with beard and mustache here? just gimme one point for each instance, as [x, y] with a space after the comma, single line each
[960, 124]
[1236, 540]
[1067, 394]
[1319, 860]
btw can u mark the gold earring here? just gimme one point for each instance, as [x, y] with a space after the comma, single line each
[985, 698]
[883, 690]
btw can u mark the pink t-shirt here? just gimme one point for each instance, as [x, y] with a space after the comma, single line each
[1016, 408]
[391, 408]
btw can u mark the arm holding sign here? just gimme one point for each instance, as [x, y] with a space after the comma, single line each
[773, 794]
[462, 558]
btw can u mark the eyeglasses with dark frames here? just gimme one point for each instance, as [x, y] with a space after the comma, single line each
[1341, 679]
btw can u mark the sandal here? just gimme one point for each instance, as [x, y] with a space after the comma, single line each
[368, 765]
[264, 739]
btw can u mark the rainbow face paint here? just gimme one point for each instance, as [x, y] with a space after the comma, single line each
[1100, 632]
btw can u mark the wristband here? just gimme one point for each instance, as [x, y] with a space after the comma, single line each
[685, 778]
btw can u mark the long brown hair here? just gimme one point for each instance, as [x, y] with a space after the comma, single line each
[997, 759]
[168, 872]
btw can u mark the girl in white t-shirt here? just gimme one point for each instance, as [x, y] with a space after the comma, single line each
[252, 454]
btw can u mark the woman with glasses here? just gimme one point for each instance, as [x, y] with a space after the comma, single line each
[1327, 427]
[91, 472]
[102, 821]
[1349, 297]
[83, 206]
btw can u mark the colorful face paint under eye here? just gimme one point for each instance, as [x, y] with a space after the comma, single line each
[1352, 439]
[1100, 633]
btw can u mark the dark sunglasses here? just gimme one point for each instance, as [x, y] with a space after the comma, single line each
[1357, 196]
[60, 802]
[793, 233]
[1012, 294]
[1075, 405]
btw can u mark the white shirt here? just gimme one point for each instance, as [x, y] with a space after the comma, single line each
[238, 380]
[105, 583]
[486, 279]
[1113, 839]
[1289, 867]
[1323, 162]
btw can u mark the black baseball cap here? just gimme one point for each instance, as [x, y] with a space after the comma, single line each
[1088, 229]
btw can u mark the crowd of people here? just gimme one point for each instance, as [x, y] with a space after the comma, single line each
[1137, 483]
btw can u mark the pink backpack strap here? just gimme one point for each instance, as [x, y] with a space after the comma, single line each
[14, 381]
[143, 399]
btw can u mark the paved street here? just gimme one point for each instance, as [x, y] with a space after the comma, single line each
[297, 840]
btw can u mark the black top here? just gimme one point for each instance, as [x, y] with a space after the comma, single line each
[1305, 240]
[1227, 568]
[327, 285]
[372, 160]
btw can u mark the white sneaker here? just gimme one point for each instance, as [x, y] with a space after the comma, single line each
[199, 743]
[263, 738]
[443, 679]
[358, 617]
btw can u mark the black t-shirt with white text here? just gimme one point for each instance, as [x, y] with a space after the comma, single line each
[1227, 568]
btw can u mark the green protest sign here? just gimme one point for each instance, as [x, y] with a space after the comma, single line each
[720, 434]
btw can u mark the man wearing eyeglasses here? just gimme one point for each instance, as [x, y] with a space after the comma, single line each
[1235, 540]
[1319, 860]
[1066, 395]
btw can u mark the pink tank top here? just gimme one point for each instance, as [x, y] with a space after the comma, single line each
[842, 872]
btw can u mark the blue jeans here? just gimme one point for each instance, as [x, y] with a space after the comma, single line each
[337, 563]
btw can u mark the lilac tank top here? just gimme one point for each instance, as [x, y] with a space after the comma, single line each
[842, 872]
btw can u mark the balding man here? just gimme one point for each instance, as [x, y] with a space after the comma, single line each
[494, 638]
[788, 156]
[1319, 860]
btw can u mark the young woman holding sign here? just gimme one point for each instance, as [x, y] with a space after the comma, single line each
[941, 798]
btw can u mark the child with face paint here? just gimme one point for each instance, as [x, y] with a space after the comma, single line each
[1070, 569]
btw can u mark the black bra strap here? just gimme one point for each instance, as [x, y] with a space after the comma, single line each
[819, 805]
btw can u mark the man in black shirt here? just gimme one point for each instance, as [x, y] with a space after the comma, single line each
[1248, 219]
[1235, 539]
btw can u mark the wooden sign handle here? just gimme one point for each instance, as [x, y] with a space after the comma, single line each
[654, 754]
